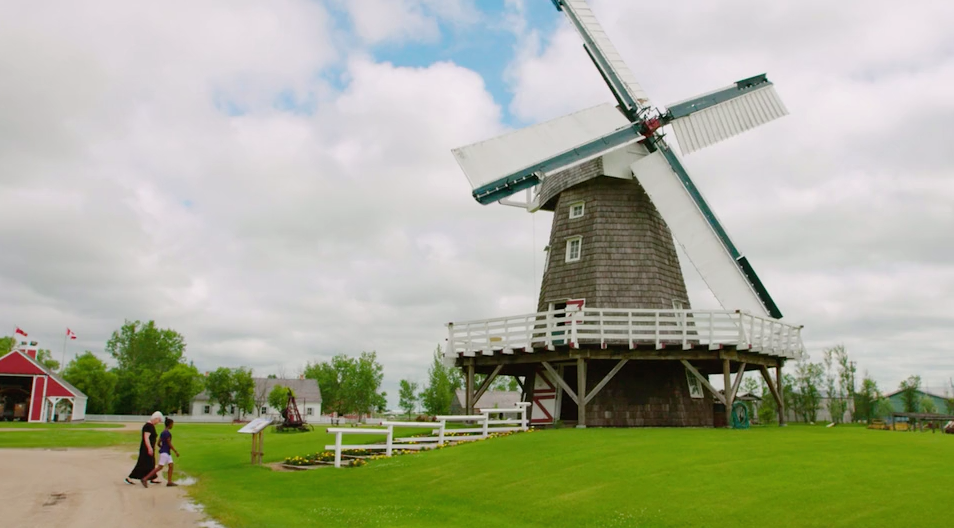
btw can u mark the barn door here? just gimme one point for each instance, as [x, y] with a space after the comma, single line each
[544, 398]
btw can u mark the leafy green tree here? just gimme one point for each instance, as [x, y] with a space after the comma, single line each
[178, 386]
[143, 353]
[910, 393]
[927, 405]
[408, 396]
[45, 358]
[836, 382]
[350, 385]
[244, 389]
[866, 400]
[88, 373]
[278, 397]
[884, 408]
[7, 344]
[219, 387]
[808, 378]
[442, 382]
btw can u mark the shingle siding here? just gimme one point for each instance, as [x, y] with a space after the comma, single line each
[628, 257]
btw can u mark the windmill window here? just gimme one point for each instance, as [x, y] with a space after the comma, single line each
[576, 210]
[574, 247]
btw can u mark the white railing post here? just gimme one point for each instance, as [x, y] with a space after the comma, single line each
[629, 314]
[657, 330]
[681, 317]
[440, 433]
[338, 449]
[451, 347]
[486, 425]
[523, 415]
[762, 334]
[573, 342]
[470, 342]
[741, 323]
[390, 440]
[602, 332]
[549, 329]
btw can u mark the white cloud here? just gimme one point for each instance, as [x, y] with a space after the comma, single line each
[377, 21]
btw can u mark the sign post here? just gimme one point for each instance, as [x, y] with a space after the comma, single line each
[255, 428]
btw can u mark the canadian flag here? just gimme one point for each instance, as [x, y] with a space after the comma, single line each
[70, 334]
[21, 332]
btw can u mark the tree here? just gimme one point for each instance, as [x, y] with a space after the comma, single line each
[837, 378]
[807, 398]
[349, 385]
[866, 400]
[88, 373]
[278, 397]
[442, 382]
[178, 386]
[218, 385]
[408, 396]
[7, 344]
[45, 358]
[927, 405]
[910, 389]
[143, 353]
[884, 408]
[244, 389]
[949, 399]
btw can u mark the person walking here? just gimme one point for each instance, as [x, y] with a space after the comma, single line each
[147, 460]
[165, 453]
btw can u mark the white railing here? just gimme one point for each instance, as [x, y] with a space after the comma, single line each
[483, 428]
[604, 327]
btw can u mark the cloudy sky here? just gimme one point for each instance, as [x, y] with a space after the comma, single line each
[274, 179]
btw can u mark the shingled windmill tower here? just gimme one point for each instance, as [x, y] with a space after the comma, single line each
[613, 312]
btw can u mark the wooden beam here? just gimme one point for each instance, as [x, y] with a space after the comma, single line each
[606, 379]
[775, 394]
[738, 381]
[702, 379]
[561, 382]
[486, 384]
[581, 386]
[519, 384]
[528, 384]
[781, 393]
[727, 383]
[469, 390]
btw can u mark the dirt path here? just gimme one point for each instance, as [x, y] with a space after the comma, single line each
[84, 488]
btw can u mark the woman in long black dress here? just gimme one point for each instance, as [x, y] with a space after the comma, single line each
[147, 448]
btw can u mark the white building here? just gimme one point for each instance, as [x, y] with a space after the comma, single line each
[307, 396]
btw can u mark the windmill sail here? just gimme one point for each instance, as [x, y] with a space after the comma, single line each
[719, 115]
[617, 74]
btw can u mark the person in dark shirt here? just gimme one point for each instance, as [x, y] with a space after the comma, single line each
[146, 461]
[165, 452]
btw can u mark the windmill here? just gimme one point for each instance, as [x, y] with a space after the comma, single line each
[619, 194]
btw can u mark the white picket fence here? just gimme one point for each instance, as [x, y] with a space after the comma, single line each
[632, 328]
[484, 426]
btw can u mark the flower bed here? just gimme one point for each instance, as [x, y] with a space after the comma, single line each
[359, 457]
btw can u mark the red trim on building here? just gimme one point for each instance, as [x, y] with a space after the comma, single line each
[37, 399]
[54, 389]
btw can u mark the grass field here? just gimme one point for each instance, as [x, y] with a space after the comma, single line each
[58, 425]
[793, 476]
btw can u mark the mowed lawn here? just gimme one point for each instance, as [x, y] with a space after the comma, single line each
[793, 476]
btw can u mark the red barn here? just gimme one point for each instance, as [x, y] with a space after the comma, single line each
[31, 392]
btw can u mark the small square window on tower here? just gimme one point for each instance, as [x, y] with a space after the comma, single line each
[576, 210]
[574, 247]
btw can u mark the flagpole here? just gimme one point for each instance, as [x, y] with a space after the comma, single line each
[63, 364]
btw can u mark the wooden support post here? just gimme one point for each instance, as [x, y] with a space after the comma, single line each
[702, 379]
[736, 383]
[254, 446]
[469, 390]
[486, 384]
[561, 382]
[775, 393]
[581, 388]
[727, 379]
[261, 445]
[781, 394]
[528, 384]
[606, 379]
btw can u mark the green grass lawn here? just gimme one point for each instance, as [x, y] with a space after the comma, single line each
[793, 476]
[58, 425]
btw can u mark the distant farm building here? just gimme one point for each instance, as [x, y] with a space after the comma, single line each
[307, 395]
[490, 399]
[897, 401]
[29, 392]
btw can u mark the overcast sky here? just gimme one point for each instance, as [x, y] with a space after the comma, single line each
[274, 179]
